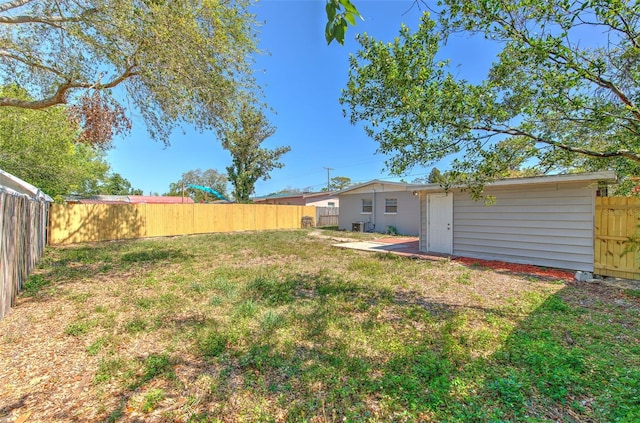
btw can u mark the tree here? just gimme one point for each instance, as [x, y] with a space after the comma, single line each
[210, 178]
[338, 183]
[116, 184]
[551, 100]
[177, 61]
[242, 137]
[40, 147]
[288, 190]
[435, 177]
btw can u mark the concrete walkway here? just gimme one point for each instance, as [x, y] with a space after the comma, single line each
[402, 246]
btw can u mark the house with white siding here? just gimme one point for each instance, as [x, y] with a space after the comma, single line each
[379, 206]
[544, 221]
[318, 199]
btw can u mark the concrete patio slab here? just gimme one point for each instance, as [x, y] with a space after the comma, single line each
[407, 247]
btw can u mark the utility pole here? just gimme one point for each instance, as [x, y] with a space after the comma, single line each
[329, 169]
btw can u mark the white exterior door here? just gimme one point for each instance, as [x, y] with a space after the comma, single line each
[440, 223]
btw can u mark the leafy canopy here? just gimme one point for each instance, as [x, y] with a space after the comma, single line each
[338, 183]
[243, 137]
[116, 184]
[40, 147]
[562, 94]
[175, 61]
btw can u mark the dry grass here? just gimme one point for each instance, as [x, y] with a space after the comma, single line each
[279, 326]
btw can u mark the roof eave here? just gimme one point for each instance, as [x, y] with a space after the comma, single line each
[605, 176]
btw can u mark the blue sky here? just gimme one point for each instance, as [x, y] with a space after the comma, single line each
[302, 78]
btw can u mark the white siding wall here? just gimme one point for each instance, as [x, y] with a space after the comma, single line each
[323, 202]
[406, 220]
[546, 226]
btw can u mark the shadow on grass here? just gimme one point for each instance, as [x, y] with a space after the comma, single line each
[156, 255]
[84, 262]
[327, 349]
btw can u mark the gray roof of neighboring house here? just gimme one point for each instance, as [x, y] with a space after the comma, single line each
[294, 195]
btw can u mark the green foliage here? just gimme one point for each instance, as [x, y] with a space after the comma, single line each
[551, 101]
[209, 178]
[77, 329]
[338, 183]
[178, 61]
[242, 137]
[340, 14]
[158, 365]
[40, 147]
[151, 400]
[118, 185]
[435, 177]
[34, 285]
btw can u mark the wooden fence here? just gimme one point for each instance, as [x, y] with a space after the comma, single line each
[327, 216]
[22, 240]
[75, 223]
[616, 220]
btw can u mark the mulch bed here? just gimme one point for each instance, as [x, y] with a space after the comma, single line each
[528, 269]
[499, 266]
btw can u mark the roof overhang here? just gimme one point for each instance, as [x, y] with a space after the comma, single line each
[570, 178]
[377, 185]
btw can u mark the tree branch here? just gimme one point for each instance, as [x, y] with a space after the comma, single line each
[50, 20]
[606, 154]
[60, 96]
[13, 4]
[559, 58]
[8, 54]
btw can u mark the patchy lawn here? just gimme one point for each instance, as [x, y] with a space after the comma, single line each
[279, 326]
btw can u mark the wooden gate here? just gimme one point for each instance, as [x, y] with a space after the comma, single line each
[327, 216]
[617, 222]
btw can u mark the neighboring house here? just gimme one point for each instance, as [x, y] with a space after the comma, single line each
[545, 220]
[318, 199]
[380, 206]
[130, 199]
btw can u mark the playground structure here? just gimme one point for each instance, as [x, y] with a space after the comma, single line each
[210, 191]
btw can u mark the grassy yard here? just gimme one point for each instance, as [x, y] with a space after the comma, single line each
[280, 326]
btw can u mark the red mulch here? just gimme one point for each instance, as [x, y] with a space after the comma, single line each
[518, 268]
[499, 266]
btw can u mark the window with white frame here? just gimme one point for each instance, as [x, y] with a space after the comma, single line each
[391, 205]
[367, 205]
[331, 204]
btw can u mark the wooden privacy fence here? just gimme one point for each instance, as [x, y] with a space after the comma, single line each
[22, 240]
[75, 223]
[327, 216]
[616, 220]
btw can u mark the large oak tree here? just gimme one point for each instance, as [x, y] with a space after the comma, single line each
[176, 61]
[562, 94]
